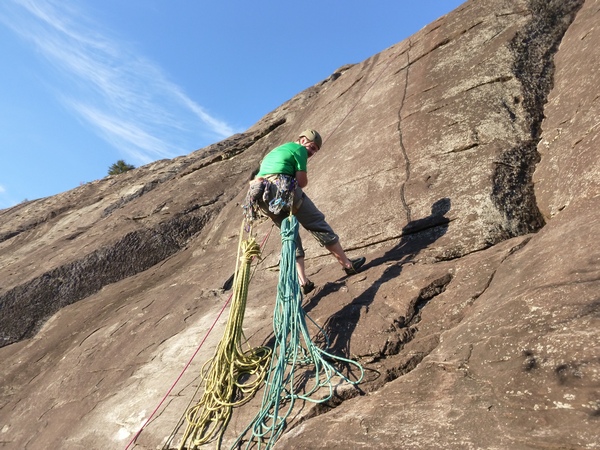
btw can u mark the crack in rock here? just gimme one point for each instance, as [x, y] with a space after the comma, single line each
[401, 141]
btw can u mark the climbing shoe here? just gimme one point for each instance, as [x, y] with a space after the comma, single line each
[308, 287]
[356, 265]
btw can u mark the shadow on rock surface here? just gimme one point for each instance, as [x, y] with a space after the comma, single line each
[417, 235]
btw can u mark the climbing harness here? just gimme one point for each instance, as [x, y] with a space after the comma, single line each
[260, 190]
[296, 359]
[284, 198]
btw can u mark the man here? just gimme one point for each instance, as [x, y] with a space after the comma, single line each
[277, 188]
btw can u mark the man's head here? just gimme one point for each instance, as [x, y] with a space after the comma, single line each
[310, 139]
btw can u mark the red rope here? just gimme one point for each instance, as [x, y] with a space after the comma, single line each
[189, 362]
[180, 375]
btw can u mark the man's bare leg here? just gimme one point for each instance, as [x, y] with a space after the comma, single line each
[337, 251]
[302, 278]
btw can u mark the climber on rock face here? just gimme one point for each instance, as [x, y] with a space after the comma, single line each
[277, 188]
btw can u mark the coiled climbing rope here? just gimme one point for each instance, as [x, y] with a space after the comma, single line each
[232, 375]
[299, 369]
[293, 353]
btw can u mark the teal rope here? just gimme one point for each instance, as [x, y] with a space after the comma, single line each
[293, 350]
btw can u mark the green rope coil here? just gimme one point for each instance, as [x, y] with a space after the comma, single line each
[293, 350]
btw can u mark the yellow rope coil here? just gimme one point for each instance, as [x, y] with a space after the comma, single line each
[232, 375]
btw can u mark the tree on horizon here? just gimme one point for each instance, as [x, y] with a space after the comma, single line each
[119, 167]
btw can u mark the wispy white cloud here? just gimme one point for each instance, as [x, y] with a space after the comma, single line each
[127, 99]
[125, 134]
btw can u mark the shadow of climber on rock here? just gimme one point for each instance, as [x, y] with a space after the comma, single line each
[416, 236]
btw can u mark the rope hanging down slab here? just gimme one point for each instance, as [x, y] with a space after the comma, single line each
[224, 372]
[293, 354]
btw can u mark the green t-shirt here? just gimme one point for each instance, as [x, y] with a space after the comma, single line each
[288, 159]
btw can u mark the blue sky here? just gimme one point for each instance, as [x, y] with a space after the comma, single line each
[85, 83]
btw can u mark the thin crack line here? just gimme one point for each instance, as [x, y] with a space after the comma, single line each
[401, 140]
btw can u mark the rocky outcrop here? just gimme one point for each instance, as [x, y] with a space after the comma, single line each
[460, 161]
[59, 250]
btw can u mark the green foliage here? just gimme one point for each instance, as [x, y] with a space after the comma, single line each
[119, 167]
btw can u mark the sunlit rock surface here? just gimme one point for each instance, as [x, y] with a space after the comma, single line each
[462, 162]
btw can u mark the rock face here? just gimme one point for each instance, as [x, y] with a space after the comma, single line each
[462, 162]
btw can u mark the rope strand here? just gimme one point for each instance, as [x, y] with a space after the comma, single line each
[208, 419]
[293, 352]
[191, 359]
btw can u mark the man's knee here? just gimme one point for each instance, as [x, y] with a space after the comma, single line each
[326, 238]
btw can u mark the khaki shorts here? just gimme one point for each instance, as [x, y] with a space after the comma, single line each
[308, 215]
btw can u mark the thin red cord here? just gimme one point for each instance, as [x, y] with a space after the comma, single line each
[180, 375]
